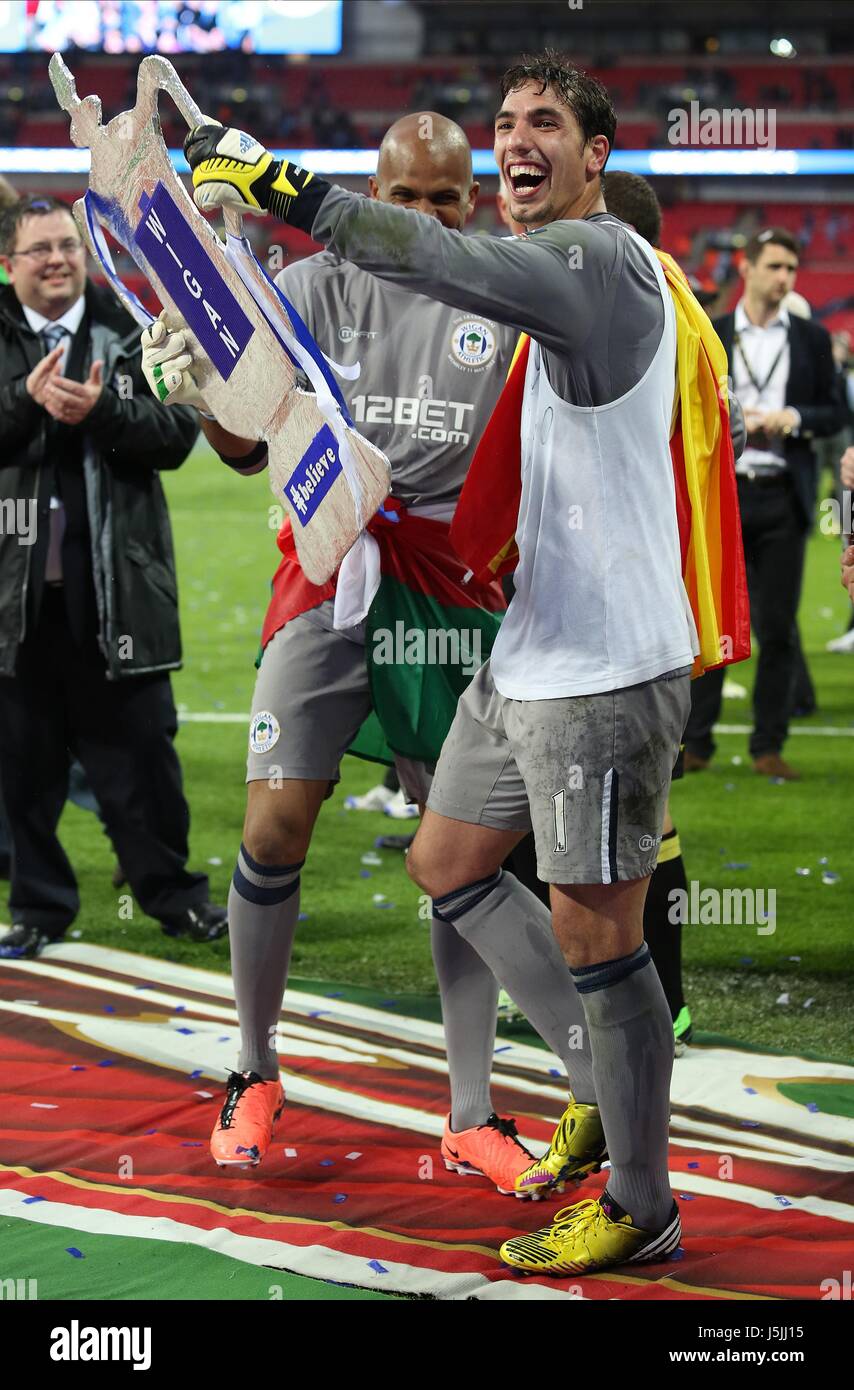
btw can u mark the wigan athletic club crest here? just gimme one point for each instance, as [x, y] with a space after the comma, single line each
[472, 345]
[264, 732]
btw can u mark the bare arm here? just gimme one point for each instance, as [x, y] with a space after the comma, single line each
[245, 456]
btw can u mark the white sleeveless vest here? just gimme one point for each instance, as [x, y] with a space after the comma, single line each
[599, 603]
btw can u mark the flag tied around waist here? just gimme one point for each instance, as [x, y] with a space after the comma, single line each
[707, 512]
[426, 633]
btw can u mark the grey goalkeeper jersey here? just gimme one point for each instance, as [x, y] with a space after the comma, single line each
[430, 374]
[582, 288]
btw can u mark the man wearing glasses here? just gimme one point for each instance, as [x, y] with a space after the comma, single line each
[88, 598]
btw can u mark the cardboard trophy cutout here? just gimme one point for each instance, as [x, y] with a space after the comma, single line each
[247, 341]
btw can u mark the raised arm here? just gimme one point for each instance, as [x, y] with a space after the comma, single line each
[551, 284]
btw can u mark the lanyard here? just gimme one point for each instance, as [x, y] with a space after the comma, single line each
[749, 369]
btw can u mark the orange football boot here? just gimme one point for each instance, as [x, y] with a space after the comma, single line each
[491, 1150]
[242, 1134]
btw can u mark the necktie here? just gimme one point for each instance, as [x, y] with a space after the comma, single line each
[54, 334]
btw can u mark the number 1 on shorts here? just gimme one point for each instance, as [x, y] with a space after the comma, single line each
[559, 808]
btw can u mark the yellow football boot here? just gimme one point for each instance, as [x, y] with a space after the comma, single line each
[589, 1236]
[577, 1149]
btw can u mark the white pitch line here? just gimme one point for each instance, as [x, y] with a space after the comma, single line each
[817, 731]
[214, 717]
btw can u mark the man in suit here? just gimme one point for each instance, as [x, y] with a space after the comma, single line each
[783, 371]
[88, 599]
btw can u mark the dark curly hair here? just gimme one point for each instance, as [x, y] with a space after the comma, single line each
[584, 95]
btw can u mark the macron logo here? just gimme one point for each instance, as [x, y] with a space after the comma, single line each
[76, 1343]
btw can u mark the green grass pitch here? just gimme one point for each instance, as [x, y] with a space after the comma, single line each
[225, 539]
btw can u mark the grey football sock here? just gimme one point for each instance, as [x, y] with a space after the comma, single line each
[631, 1033]
[263, 906]
[469, 993]
[511, 930]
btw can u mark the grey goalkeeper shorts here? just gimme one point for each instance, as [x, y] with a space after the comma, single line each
[311, 698]
[588, 773]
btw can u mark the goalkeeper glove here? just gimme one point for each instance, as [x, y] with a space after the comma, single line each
[165, 363]
[230, 169]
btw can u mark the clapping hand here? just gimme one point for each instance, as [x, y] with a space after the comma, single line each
[70, 402]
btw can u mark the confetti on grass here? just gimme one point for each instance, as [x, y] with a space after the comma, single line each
[72, 1250]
